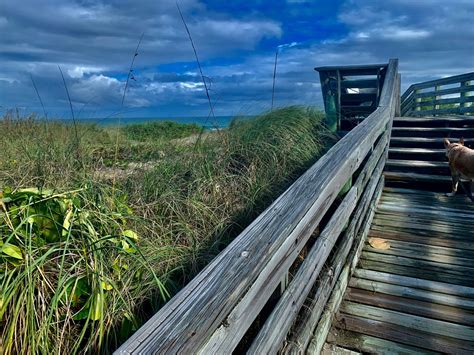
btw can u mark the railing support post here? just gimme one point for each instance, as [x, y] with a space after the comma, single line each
[398, 103]
[417, 101]
[463, 95]
[436, 106]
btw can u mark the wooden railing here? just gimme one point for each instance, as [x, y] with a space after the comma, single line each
[214, 312]
[433, 98]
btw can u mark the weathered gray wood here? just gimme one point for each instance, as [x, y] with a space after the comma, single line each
[429, 241]
[413, 245]
[405, 335]
[249, 269]
[454, 110]
[417, 263]
[322, 330]
[421, 254]
[373, 345]
[444, 81]
[277, 325]
[447, 119]
[452, 100]
[411, 306]
[410, 321]
[302, 331]
[443, 92]
[438, 82]
[440, 287]
[330, 349]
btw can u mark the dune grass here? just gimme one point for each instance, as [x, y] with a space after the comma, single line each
[83, 264]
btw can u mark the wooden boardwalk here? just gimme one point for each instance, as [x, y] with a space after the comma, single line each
[386, 270]
[417, 296]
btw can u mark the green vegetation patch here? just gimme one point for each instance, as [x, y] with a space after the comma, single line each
[95, 235]
[69, 267]
[159, 130]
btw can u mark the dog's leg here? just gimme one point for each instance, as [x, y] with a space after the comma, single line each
[455, 179]
[471, 189]
[467, 191]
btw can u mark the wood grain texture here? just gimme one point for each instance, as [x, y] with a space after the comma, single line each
[309, 316]
[277, 325]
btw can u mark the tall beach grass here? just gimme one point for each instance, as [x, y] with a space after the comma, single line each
[84, 264]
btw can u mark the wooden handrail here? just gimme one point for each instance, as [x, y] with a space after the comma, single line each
[214, 311]
[428, 103]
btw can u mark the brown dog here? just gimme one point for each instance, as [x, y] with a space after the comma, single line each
[461, 163]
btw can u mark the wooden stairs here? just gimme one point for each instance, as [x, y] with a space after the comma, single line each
[413, 292]
[417, 156]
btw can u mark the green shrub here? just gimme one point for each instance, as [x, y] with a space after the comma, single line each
[159, 130]
[71, 272]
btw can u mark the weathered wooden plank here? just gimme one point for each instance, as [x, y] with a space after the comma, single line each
[411, 292]
[430, 241]
[411, 306]
[277, 325]
[410, 221]
[427, 274]
[449, 214]
[422, 254]
[443, 81]
[440, 229]
[452, 213]
[302, 331]
[373, 345]
[330, 349]
[444, 119]
[442, 92]
[430, 265]
[404, 335]
[417, 163]
[426, 151]
[446, 130]
[452, 100]
[322, 329]
[403, 176]
[428, 325]
[438, 199]
[431, 196]
[454, 110]
[452, 251]
[439, 287]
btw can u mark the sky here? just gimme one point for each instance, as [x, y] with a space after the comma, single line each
[94, 42]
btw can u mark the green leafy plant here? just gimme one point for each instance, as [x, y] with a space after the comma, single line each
[67, 263]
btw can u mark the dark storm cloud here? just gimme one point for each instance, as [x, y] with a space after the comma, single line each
[93, 41]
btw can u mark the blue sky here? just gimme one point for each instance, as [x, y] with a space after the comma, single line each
[93, 42]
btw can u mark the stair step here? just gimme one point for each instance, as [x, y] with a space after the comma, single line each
[447, 121]
[424, 142]
[441, 132]
[417, 154]
[415, 177]
[418, 166]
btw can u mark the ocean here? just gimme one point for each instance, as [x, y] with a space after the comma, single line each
[206, 122]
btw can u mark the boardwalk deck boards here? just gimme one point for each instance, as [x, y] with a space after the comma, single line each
[416, 293]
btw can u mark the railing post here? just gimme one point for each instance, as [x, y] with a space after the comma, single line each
[398, 103]
[463, 95]
[417, 101]
[436, 106]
